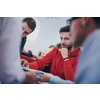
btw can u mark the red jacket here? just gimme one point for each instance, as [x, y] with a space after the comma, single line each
[64, 69]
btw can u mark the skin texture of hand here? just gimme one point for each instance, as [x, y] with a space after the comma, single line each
[24, 63]
[31, 78]
[64, 52]
[46, 78]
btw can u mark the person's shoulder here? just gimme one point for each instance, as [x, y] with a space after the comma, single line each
[56, 49]
[79, 49]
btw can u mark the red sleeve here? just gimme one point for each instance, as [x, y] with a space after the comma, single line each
[43, 62]
[70, 70]
[27, 58]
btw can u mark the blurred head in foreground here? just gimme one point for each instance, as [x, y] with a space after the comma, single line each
[82, 27]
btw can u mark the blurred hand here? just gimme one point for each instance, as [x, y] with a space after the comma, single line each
[46, 78]
[24, 63]
[64, 52]
[31, 78]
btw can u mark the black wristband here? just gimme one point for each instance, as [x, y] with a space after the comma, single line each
[66, 58]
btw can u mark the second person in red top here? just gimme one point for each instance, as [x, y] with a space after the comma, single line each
[63, 61]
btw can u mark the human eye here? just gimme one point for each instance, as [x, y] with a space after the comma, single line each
[66, 38]
[26, 32]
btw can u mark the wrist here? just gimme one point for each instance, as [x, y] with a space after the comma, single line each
[66, 58]
[48, 79]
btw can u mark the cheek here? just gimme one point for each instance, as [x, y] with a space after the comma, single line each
[72, 30]
[68, 42]
[60, 41]
[73, 33]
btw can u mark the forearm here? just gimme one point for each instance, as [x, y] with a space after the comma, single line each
[39, 64]
[57, 80]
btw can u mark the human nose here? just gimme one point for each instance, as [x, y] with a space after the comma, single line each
[62, 41]
[22, 31]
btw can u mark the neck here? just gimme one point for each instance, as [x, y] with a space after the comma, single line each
[71, 50]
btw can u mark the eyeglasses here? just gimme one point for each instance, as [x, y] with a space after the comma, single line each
[73, 18]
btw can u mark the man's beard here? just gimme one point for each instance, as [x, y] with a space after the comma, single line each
[68, 47]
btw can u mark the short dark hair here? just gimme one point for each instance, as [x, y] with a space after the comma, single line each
[97, 20]
[30, 22]
[65, 29]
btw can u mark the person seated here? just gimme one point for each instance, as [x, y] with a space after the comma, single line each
[63, 61]
[86, 33]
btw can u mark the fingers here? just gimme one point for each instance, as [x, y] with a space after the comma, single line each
[64, 52]
[24, 63]
[59, 50]
[45, 78]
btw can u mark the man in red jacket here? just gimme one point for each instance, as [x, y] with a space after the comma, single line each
[63, 61]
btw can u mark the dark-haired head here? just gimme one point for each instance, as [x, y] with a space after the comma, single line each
[82, 27]
[28, 26]
[30, 22]
[65, 37]
[65, 29]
